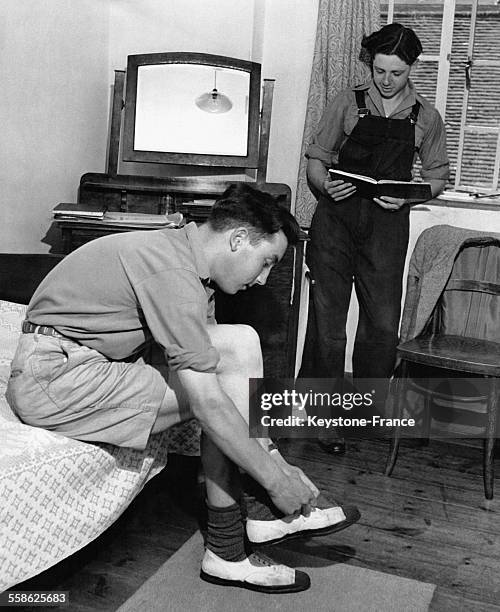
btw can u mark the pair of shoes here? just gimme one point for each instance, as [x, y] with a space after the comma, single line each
[319, 522]
[256, 573]
[335, 446]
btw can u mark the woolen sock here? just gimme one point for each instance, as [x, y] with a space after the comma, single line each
[226, 532]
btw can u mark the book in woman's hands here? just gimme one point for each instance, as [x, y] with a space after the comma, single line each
[371, 188]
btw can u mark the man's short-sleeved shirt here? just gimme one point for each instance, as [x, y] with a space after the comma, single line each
[117, 292]
[341, 116]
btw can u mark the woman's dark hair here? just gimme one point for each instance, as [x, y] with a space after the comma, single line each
[392, 39]
[261, 213]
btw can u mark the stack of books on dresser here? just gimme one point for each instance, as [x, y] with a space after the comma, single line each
[144, 219]
[96, 212]
[197, 209]
[79, 211]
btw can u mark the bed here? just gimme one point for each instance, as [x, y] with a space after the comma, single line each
[58, 494]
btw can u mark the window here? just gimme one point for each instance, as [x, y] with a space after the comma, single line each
[459, 72]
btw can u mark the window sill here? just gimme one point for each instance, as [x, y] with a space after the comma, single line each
[469, 203]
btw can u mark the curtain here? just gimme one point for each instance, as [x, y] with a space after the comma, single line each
[341, 26]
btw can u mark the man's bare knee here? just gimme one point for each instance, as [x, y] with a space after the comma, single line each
[247, 350]
[239, 348]
[248, 337]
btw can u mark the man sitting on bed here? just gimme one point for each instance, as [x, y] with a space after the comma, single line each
[82, 368]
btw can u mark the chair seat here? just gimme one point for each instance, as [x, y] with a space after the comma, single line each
[468, 393]
[454, 352]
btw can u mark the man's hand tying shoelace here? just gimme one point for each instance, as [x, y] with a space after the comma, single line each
[295, 473]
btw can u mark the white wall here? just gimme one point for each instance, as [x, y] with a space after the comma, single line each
[57, 65]
[219, 27]
[288, 46]
[279, 34]
[53, 108]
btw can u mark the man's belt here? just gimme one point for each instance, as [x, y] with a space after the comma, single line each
[45, 330]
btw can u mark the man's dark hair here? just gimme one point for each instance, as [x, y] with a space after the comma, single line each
[261, 213]
[392, 39]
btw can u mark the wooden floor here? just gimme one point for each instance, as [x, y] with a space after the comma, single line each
[429, 521]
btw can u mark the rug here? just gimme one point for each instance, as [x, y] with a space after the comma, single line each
[335, 587]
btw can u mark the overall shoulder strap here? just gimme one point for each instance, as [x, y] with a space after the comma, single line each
[360, 101]
[413, 116]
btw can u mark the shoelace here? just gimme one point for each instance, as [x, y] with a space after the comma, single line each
[261, 559]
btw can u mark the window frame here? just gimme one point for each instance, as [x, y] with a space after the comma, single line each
[444, 63]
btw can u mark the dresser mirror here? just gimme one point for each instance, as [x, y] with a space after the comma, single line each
[191, 108]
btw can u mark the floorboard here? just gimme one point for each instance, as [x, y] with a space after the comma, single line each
[429, 521]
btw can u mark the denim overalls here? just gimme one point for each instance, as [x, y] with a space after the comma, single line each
[355, 240]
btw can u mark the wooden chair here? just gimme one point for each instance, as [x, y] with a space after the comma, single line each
[463, 335]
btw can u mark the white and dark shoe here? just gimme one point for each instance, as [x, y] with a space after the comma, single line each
[319, 522]
[256, 573]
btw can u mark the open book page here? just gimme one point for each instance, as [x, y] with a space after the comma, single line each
[337, 175]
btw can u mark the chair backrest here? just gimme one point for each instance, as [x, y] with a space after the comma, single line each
[470, 303]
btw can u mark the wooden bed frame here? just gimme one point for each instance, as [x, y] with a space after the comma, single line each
[20, 274]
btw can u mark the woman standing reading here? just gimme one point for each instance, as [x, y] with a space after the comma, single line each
[376, 129]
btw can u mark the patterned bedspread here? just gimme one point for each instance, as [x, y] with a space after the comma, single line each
[58, 494]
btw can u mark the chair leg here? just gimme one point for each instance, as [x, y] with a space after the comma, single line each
[426, 419]
[489, 442]
[400, 384]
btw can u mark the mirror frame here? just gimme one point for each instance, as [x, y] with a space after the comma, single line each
[197, 159]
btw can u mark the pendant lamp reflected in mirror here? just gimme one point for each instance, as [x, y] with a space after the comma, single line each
[214, 101]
